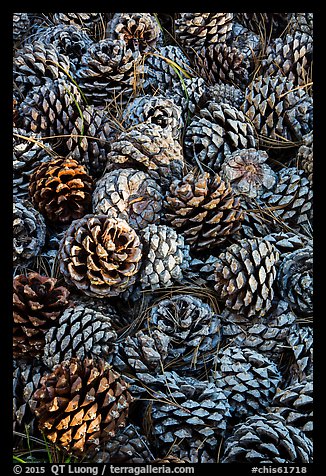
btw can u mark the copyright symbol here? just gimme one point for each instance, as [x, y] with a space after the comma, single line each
[17, 469]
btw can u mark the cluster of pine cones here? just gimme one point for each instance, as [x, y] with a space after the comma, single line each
[162, 289]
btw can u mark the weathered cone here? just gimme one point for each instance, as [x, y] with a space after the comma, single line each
[100, 256]
[247, 172]
[190, 414]
[195, 30]
[155, 110]
[295, 280]
[194, 331]
[80, 332]
[28, 231]
[300, 341]
[290, 200]
[140, 31]
[248, 378]
[225, 93]
[81, 405]
[218, 130]
[305, 156]
[150, 148]
[203, 209]
[21, 23]
[295, 404]
[38, 303]
[92, 23]
[245, 274]
[278, 110]
[35, 62]
[266, 24]
[287, 242]
[267, 439]
[51, 109]
[129, 446]
[61, 190]
[290, 56]
[129, 194]
[109, 72]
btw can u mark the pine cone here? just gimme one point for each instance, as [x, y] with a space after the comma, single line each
[201, 271]
[149, 148]
[257, 220]
[28, 232]
[51, 109]
[301, 344]
[248, 378]
[109, 72]
[129, 194]
[92, 23]
[21, 24]
[290, 201]
[267, 439]
[247, 42]
[305, 156]
[203, 209]
[140, 31]
[155, 110]
[218, 130]
[81, 405]
[189, 95]
[100, 256]
[129, 446]
[195, 30]
[225, 93]
[37, 304]
[277, 109]
[89, 140]
[28, 153]
[245, 273]
[264, 24]
[194, 330]
[295, 280]
[302, 22]
[247, 172]
[61, 190]
[290, 56]
[80, 332]
[35, 62]
[189, 414]
[287, 242]
[294, 403]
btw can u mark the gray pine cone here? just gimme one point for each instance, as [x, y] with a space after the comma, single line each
[305, 156]
[303, 22]
[21, 23]
[225, 93]
[189, 95]
[91, 23]
[300, 341]
[287, 242]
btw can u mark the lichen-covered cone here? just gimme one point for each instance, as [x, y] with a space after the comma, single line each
[81, 405]
[295, 404]
[150, 148]
[28, 153]
[278, 110]
[90, 138]
[248, 378]
[225, 93]
[28, 231]
[203, 209]
[300, 342]
[35, 62]
[245, 273]
[52, 108]
[267, 335]
[215, 132]
[21, 24]
[38, 303]
[290, 56]
[305, 156]
[92, 23]
[129, 446]
[247, 172]
[100, 256]
[129, 194]
[189, 414]
[194, 331]
[287, 242]
[302, 22]
[155, 110]
[290, 200]
[61, 190]
[140, 31]
[295, 280]
[80, 332]
[195, 30]
[267, 439]
[266, 24]
[109, 72]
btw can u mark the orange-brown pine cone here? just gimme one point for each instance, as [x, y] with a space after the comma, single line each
[61, 190]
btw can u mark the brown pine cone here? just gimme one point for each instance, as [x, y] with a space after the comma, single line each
[203, 209]
[37, 305]
[100, 255]
[81, 405]
[61, 190]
